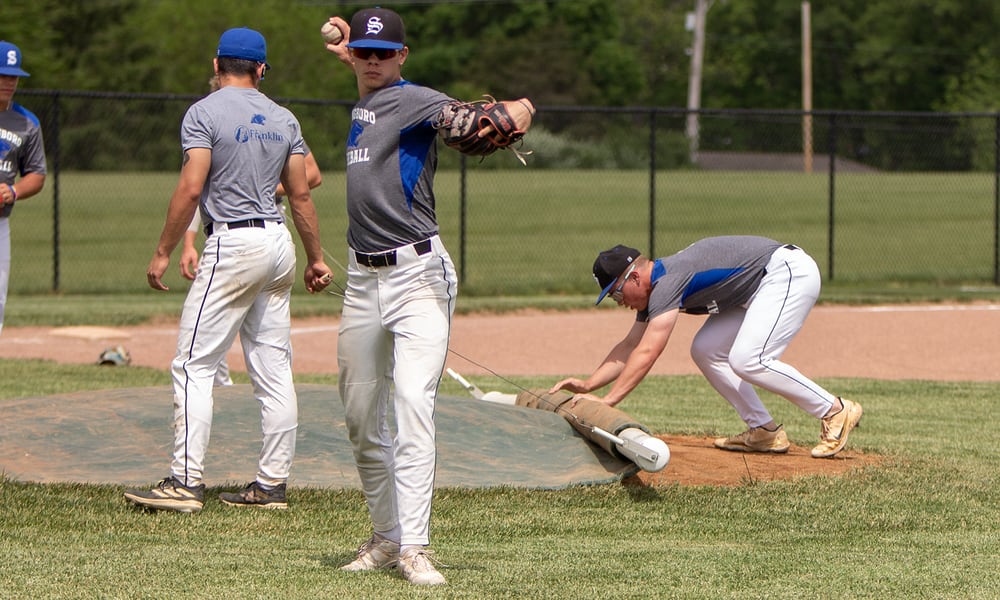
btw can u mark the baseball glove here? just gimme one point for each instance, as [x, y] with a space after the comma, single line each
[482, 127]
[117, 356]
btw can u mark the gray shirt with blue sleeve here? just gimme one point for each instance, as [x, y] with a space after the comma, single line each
[709, 276]
[22, 150]
[391, 160]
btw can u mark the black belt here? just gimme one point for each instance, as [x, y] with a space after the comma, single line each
[388, 259]
[258, 223]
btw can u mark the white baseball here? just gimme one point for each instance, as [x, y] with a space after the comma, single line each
[331, 33]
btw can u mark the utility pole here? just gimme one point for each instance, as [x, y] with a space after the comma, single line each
[696, 23]
[807, 96]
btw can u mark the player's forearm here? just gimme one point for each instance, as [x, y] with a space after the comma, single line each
[28, 186]
[613, 364]
[634, 371]
[179, 214]
[189, 238]
[307, 225]
[604, 374]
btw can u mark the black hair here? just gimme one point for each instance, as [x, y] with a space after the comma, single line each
[238, 66]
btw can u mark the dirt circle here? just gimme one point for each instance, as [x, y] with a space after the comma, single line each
[932, 342]
[695, 461]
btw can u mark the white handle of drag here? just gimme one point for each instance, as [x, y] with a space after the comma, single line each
[470, 387]
[647, 452]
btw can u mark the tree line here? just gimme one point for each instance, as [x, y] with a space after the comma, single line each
[867, 55]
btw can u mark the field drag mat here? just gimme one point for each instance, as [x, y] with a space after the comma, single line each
[124, 436]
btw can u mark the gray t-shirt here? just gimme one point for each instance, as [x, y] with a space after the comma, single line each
[22, 150]
[251, 139]
[709, 276]
[391, 160]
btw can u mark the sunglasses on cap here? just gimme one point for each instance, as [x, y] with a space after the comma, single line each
[366, 53]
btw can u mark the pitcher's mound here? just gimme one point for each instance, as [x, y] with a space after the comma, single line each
[696, 461]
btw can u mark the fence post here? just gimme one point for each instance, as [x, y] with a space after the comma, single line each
[831, 223]
[55, 193]
[461, 223]
[652, 182]
[996, 201]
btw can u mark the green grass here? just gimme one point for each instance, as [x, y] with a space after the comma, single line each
[924, 523]
[536, 232]
[921, 524]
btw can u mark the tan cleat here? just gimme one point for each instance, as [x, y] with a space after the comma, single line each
[170, 494]
[376, 553]
[833, 436]
[756, 439]
[416, 567]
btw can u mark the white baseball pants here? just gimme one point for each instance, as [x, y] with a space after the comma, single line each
[243, 285]
[741, 347]
[393, 343]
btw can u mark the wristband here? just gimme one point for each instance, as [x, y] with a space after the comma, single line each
[13, 193]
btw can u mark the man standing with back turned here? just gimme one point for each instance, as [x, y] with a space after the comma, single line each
[237, 145]
[21, 153]
[401, 290]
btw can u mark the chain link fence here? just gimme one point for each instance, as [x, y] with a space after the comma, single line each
[876, 198]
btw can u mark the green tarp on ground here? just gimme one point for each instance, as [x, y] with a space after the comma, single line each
[124, 437]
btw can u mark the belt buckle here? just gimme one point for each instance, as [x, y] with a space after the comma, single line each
[375, 261]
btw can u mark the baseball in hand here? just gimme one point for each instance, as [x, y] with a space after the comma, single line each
[331, 33]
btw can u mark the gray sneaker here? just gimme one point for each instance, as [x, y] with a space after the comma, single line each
[255, 496]
[170, 494]
[376, 553]
[416, 566]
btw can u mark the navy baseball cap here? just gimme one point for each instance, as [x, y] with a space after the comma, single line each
[243, 43]
[10, 60]
[377, 28]
[610, 265]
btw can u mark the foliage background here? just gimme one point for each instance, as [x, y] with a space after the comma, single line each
[913, 55]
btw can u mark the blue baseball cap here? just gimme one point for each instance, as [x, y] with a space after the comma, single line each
[377, 28]
[243, 43]
[10, 60]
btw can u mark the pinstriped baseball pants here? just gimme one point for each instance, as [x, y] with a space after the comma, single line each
[741, 347]
[243, 285]
[391, 352]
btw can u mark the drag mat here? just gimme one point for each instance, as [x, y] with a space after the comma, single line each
[124, 436]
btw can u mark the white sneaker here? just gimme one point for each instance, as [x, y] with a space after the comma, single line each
[415, 566]
[376, 553]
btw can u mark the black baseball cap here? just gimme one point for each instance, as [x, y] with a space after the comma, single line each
[610, 265]
[377, 28]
